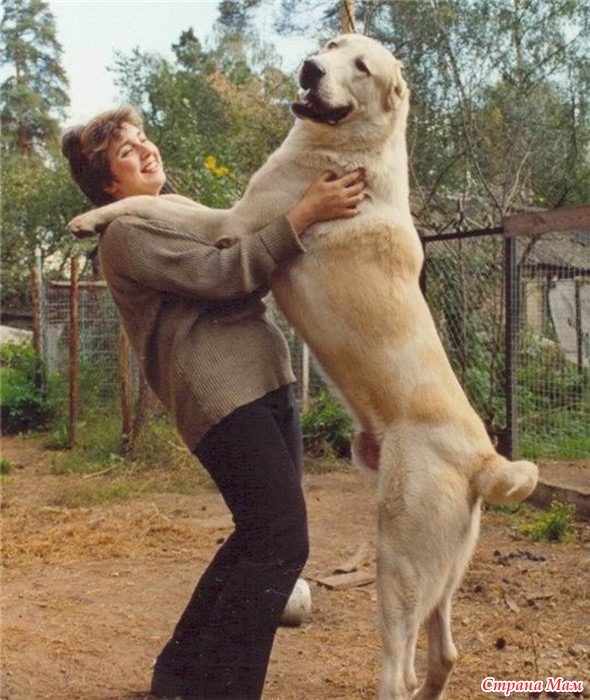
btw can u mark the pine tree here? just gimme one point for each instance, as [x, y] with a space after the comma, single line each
[34, 95]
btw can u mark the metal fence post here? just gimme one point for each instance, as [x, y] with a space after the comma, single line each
[511, 295]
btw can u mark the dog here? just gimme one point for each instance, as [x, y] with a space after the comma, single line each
[355, 299]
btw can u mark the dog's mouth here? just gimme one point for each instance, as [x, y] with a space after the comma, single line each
[311, 107]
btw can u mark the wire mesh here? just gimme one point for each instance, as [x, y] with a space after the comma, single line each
[465, 282]
[553, 272]
[98, 339]
[465, 288]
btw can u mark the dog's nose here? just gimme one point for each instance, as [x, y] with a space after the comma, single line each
[310, 75]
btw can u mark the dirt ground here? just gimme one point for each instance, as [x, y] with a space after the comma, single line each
[89, 595]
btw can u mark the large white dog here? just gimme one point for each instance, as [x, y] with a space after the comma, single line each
[355, 299]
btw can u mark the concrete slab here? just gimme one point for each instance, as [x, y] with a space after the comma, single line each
[568, 482]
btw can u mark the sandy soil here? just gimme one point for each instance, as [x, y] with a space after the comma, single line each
[89, 595]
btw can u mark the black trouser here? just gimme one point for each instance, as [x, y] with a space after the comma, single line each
[222, 642]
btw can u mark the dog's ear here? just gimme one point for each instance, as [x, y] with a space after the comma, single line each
[398, 89]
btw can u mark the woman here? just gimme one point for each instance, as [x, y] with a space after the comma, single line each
[195, 316]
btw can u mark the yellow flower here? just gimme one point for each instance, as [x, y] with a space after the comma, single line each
[213, 167]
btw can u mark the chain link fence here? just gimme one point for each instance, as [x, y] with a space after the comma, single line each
[535, 386]
[83, 360]
[98, 329]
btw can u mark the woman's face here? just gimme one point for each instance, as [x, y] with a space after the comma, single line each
[136, 165]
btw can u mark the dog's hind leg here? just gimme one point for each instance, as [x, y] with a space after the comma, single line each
[442, 653]
[399, 631]
[401, 608]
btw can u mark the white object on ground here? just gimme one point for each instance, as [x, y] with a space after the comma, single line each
[298, 607]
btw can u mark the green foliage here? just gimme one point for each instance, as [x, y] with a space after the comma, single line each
[39, 198]
[214, 118]
[98, 426]
[160, 462]
[547, 380]
[554, 525]
[462, 285]
[34, 91]
[500, 100]
[5, 466]
[327, 428]
[555, 398]
[23, 402]
[463, 288]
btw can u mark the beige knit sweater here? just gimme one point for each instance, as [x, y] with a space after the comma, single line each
[194, 315]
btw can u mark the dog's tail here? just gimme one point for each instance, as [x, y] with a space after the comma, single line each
[501, 481]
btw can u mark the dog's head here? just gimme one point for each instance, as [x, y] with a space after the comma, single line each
[352, 75]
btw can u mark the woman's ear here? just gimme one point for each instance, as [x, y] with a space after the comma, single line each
[112, 188]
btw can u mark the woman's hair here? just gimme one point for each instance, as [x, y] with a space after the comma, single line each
[86, 148]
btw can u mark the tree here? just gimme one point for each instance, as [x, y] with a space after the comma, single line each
[214, 114]
[39, 198]
[516, 72]
[38, 194]
[34, 94]
[500, 114]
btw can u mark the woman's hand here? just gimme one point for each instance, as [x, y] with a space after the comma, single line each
[328, 197]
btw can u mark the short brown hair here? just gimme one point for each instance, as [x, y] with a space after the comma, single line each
[86, 147]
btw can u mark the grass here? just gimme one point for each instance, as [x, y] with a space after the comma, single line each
[563, 447]
[557, 433]
[128, 482]
[510, 508]
[160, 463]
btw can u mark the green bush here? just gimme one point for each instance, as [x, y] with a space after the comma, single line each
[327, 428]
[554, 525]
[23, 402]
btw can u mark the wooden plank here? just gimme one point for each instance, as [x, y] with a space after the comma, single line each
[361, 557]
[563, 219]
[342, 581]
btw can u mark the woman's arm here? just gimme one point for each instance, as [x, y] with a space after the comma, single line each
[328, 197]
[160, 256]
[154, 256]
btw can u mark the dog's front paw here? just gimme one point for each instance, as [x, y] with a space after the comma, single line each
[86, 224]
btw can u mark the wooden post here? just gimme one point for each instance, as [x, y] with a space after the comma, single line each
[535, 223]
[125, 393]
[74, 349]
[36, 302]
